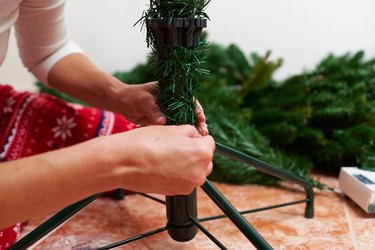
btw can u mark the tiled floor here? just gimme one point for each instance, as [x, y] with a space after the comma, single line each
[338, 223]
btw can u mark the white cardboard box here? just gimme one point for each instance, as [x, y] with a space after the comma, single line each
[359, 185]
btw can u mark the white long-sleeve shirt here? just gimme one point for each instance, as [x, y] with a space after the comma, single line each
[41, 33]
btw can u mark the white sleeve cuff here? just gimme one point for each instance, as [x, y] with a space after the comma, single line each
[42, 69]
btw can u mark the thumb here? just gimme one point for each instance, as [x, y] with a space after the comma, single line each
[156, 117]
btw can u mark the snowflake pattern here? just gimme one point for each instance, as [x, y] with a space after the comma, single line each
[63, 128]
[17, 228]
[8, 105]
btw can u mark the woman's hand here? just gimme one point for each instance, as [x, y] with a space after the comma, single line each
[138, 104]
[169, 160]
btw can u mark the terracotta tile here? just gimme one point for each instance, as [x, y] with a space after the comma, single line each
[363, 226]
[106, 221]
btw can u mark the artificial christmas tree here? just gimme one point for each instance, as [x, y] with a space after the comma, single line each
[173, 34]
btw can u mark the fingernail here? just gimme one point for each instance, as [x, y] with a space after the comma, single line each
[160, 120]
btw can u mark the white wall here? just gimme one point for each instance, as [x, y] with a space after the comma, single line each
[300, 31]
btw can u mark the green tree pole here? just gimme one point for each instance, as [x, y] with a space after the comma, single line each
[173, 29]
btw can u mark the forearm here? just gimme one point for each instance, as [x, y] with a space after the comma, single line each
[143, 160]
[36, 185]
[78, 77]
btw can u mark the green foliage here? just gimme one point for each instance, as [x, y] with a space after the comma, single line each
[177, 8]
[229, 66]
[139, 74]
[176, 68]
[324, 117]
[235, 132]
[222, 98]
[326, 114]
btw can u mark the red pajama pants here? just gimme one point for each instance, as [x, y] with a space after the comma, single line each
[35, 123]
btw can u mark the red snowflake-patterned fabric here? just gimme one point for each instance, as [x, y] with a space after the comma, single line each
[35, 123]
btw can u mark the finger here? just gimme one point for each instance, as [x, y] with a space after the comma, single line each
[199, 113]
[210, 168]
[202, 128]
[143, 121]
[151, 110]
[186, 130]
[153, 87]
[201, 124]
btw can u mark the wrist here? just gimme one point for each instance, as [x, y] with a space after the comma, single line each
[121, 161]
[112, 170]
[115, 96]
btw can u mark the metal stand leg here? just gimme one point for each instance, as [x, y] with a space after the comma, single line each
[52, 223]
[138, 237]
[119, 194]
[237, 219]
[271, 170]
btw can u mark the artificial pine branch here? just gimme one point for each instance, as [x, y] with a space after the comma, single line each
[176, 8]
[326, 114]
[235, 132]
[176, 68]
